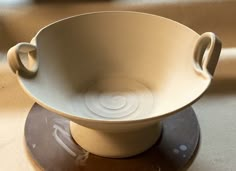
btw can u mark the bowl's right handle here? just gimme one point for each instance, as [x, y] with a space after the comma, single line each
[14, 59]
[206, 65]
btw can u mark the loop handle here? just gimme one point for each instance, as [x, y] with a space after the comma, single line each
[14, 60]
[206, 64]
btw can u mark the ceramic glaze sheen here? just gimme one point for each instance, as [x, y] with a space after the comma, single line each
[116, 74]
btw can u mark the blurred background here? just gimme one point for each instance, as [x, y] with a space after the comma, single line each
[21, 19]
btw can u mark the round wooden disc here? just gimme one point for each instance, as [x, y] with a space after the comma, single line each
[50, 143]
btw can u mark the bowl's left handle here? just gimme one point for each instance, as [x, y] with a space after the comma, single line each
[206, 64]
[15, 60]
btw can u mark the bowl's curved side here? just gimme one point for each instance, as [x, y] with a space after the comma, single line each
[168, 73]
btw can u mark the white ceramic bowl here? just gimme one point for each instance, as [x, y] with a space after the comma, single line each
[115, 75]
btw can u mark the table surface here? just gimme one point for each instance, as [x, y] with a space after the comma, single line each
[215, 110]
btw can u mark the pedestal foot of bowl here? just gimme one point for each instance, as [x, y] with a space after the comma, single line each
[112, 144]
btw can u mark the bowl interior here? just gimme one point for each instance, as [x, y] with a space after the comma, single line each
[116, 66]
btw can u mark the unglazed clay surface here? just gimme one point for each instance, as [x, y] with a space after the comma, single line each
[115, 98]
[116, 144]
[117, 72]
[154, 55]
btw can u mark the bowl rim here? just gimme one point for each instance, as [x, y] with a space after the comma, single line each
[111, 11]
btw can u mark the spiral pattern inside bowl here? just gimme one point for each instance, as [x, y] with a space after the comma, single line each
[115, 98]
